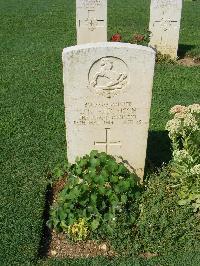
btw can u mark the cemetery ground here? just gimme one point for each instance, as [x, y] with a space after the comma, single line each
[33, 34]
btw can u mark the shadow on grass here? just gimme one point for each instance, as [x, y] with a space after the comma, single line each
[158, 149]
[183, 49]
[46, 233]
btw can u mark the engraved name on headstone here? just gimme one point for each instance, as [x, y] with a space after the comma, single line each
[165, 17]
[107, 94]
[91, 21]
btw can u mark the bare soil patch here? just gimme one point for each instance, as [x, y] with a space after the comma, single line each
[60, 247]
[58, 186]
[148, 255]
[189, 61]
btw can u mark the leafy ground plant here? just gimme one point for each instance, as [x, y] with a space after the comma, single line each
[98, 189]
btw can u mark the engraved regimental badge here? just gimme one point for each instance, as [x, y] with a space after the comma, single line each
[108, 76]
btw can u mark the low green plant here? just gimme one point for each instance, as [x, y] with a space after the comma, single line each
[97, 190]
[78, 230]
[184, 131]
[165, 226]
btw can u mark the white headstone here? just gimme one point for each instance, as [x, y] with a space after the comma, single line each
[91, 21]
[107, 94]
[165, 17]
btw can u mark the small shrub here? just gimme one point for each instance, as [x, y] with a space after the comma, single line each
[98, 189]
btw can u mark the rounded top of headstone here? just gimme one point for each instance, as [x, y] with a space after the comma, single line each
[109, 45]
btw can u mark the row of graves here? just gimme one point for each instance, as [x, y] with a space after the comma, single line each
[164, 25]
[108, 85]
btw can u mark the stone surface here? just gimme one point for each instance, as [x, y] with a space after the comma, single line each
[91, 21]
[107, 94]
[165, 17]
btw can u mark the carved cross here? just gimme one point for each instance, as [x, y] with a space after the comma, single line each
[91, 21]
[165, 23]
[107, 143]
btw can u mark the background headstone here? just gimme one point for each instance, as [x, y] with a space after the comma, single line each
[91, 21]
[107, 94]
[165, 17]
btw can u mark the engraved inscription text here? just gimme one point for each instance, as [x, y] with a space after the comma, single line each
[107, 114]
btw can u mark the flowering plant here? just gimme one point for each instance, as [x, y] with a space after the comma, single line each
[184, 131]
[142, 39]
[116, 37]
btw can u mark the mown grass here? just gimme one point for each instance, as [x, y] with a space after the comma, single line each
[189, 259]
[33, 34]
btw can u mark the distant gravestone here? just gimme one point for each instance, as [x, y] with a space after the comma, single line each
[107, 94]
[91, 21]
[165, 17]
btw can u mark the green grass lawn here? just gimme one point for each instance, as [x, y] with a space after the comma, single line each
[33, 34]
